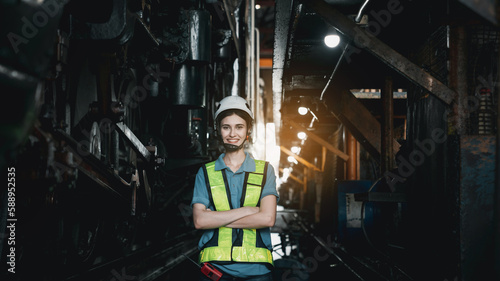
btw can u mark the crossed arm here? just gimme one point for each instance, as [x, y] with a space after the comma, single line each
[244, 217]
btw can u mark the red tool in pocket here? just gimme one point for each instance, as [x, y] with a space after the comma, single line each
[208, 270]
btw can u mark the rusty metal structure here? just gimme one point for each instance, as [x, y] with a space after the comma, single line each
[434, 185]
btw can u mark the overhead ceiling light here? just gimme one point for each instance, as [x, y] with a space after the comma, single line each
[332, 40]
[302, 135]
[257, 6]
[295, 149]
[303, 110]
[286, 174]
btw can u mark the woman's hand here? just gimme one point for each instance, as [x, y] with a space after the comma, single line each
[265, 217]
[204, 218]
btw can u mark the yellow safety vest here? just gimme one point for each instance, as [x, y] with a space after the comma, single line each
[248, 245]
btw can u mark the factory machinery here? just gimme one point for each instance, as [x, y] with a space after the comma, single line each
[109, 116]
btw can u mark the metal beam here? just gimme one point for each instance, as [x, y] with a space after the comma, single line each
[300, 159]
[488, 9]
[293, 177]
[457, 78]
[364, 40]
[360, 122]
[281, 31]
[305, 82]
[317, 139]
[387, 153]
[133, 141]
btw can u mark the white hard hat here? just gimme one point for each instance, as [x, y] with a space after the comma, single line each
[233, 102]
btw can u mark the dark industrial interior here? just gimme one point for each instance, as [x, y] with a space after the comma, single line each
[385, 146]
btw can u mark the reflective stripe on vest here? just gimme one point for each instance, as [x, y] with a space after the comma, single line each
[224, 250]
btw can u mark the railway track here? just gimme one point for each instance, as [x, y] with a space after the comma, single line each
[151, 263]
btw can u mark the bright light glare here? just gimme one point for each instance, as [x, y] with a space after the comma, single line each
[302, 135]
[332, 41]
[291, 159]
[295, 149]
[303, 110]
[286, 174]
[257, 6]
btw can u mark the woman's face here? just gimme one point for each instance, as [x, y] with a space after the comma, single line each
[233, 130]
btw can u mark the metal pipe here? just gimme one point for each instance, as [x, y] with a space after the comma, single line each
[257, 108]
[358, 17]
[148, 31]
[250, 40]
[458, 77]
[242, 58]
[232, 27]
[352, 151]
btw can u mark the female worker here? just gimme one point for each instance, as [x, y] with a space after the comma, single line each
[234, 201]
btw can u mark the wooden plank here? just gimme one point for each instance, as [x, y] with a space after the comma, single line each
[300, 159]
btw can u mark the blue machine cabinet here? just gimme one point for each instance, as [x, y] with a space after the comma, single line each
[350, 221]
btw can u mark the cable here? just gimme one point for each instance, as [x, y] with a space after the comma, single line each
[358, 17]
[333, 72]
